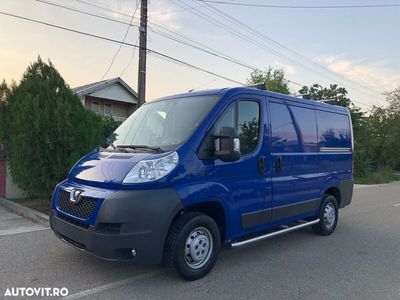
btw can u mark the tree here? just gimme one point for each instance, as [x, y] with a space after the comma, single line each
[48, 129]
[274, 80]
[393, 98]
[5, 91]
[337, 95]
[384, 132]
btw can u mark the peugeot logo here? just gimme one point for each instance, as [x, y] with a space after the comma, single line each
[75, 196]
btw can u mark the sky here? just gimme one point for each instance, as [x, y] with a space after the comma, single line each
[356, 48]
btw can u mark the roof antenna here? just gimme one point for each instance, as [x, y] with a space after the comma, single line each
[204, 84]
[258, 86]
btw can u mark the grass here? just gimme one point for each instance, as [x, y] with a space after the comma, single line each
[377, 177]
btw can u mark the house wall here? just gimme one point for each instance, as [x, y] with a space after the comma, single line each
[119, 109]
[12, 190]
[115, 92]
[2, 178]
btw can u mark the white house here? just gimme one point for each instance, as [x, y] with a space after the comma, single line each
[112, 97]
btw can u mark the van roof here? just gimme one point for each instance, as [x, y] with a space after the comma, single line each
[248, 90]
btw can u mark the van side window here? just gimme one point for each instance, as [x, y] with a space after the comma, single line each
[333, 130]
[284, 137]
[307, 124]
[247, 123]
[228, 119]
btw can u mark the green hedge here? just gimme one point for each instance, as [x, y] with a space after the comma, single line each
[46, 129]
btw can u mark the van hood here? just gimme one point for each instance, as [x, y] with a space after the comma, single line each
[106, 167]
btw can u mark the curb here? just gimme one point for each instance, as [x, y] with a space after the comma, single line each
[26, 212]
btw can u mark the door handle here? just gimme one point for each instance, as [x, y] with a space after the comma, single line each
[278, 164]
[261, 164]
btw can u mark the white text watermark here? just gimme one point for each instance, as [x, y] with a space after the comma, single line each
[36, 292]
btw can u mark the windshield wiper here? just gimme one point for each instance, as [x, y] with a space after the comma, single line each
[111, 144]
[136, 147]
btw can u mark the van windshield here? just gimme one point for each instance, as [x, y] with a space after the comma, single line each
[162, 125]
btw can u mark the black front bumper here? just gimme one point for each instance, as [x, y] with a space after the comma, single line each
[126, 220]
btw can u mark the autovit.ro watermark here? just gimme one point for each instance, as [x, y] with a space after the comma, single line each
[36, 292]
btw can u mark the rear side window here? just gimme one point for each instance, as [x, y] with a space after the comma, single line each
[306, 122]
[284, 136]
[333, 130]
[244, 116]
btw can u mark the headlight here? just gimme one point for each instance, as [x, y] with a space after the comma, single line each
[150, 170]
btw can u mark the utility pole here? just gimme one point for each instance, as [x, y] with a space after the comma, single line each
[142, 53]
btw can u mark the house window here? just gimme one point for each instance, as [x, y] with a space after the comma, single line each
[95, 106]
[108, 109]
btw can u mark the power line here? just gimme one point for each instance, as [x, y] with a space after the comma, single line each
[123, 40]
[218, 23]
[150, 51]
[204, 84]
[267, 49]
[246, 38]
[300, 6]
[130, 60]
[221, 55]
[165, 57]
[188, 38]
[251, 41]
[125, 12]
[104, 7]
[268, 39]
[204, 50]
[83, 12]
[211, 51]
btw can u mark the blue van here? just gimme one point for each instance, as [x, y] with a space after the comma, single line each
[189, 173]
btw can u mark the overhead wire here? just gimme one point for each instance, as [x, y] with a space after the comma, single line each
[262, 46]
[150, 51]
[122, 13]
[123, 40]
[165, 57]
[300, 6]
[269, 39]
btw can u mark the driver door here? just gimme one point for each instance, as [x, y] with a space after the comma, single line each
[247, 179]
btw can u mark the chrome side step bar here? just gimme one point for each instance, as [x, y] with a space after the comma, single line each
[275, 233]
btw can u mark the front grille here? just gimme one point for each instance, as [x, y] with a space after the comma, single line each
[83, 209]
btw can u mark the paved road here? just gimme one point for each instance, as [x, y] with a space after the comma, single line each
[11, 223]
[361, 260]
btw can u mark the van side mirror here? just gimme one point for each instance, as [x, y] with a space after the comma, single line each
[227, 144]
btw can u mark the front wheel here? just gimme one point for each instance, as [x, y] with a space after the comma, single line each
[328, 215]
[192, 246]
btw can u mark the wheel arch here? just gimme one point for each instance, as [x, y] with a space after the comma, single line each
[212, 208]
[335, 192]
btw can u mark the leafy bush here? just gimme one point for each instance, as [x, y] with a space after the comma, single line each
[109, 125]
[382, 175]
[46, 129]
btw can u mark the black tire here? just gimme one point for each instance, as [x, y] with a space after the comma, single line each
[325, 225]
[195, 228]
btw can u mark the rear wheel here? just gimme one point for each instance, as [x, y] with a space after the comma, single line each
[192, 245]
[328, 215]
